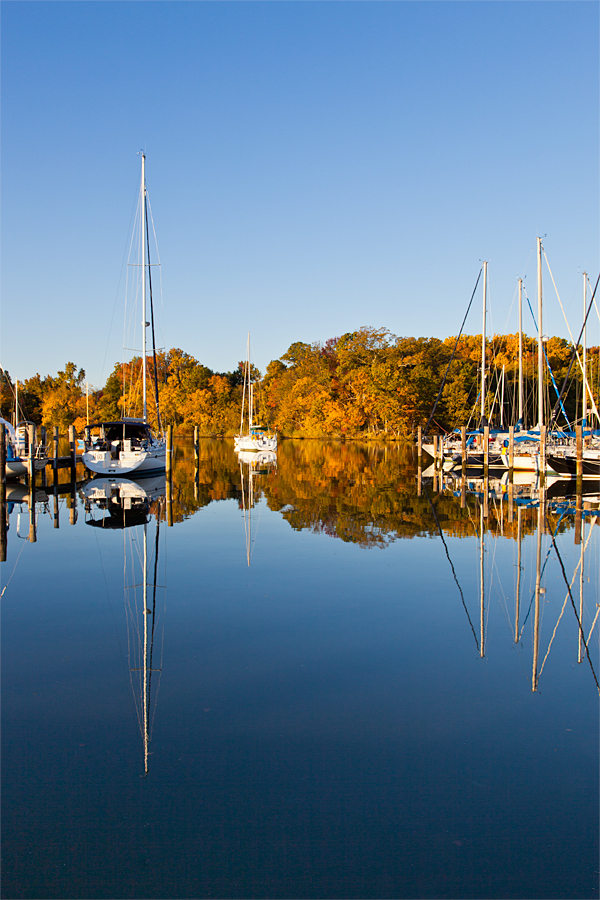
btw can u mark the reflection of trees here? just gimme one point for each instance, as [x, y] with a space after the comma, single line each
[361, 493]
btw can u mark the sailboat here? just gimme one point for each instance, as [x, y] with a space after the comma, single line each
[128, 446]
[257, 437]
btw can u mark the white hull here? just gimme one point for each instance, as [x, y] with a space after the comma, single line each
[255, 443]
[142, 462]
[16, 468]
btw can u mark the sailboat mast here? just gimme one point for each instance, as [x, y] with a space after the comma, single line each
[584, 407]
[16, 402]
[483, 348]
[143, 229]
[521, 351]
[540, 340]
[249, 386]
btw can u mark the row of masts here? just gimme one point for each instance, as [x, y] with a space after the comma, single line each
[540, 348]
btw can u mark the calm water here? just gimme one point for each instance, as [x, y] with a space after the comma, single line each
[315, 703]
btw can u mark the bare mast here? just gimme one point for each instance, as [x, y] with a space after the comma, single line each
[144, 323]
[584, 405]
[521, 353]
[540, 338]
[483, 347]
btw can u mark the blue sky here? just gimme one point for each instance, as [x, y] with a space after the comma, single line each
[312, 167]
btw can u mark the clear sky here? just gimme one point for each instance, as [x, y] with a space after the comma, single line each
[312, 167]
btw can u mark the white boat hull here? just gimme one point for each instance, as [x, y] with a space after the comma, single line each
[16, 468]
[255, 443]
[142, 462]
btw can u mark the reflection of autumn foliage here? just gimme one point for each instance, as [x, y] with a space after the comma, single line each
[361, 493]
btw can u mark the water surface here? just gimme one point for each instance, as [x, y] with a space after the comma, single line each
[335, 708]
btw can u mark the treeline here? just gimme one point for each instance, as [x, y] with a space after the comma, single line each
[365, 384]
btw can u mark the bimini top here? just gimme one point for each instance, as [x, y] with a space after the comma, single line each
[125, 428]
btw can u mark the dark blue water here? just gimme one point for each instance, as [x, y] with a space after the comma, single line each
[321, 722]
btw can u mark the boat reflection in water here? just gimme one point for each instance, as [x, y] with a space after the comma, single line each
[252, 465]
[549, 504]
[135, 507]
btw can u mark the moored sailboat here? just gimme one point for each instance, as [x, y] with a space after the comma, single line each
[252, 437]
[128, 446]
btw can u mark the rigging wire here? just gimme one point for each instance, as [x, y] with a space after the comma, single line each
[462, 596]
[581, 632]
[437, 399]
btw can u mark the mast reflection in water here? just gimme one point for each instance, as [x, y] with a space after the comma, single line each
[134, 507]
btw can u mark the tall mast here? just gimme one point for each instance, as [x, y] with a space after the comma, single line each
[483, 360]
[540, 339]
[521, 351]
[143, 232]
[249, 386]
[584, 408]
[16, 402]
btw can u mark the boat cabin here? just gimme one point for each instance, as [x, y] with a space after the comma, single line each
[126, 435]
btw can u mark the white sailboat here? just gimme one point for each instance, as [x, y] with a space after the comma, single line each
[128, 446]
[257, 438]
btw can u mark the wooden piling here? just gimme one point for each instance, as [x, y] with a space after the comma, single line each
[511, 449]
[169, 460]
[435, 451]
[55, 452]
[2, 493]
[579, 451]
[419, 481]
[542, 455]
[463, 491]
[31, 440]
[419, 443]
[73, 452]
[196, 445]
[486, 496]
[463, 448]
[43, 447]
